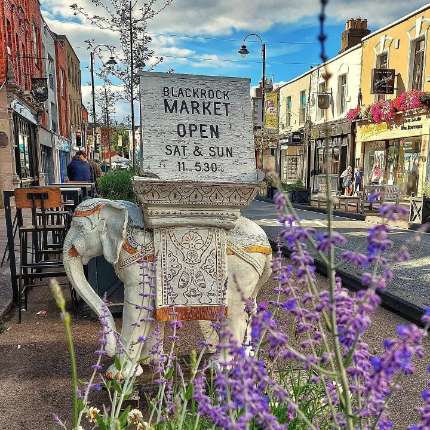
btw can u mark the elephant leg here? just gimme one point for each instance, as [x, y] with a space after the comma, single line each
[209, 334]
[136, 326]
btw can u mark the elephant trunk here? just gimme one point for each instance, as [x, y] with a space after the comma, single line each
[75, 272]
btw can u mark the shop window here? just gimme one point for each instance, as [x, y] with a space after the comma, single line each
[302, 111]
[335, 159]
[320, 161]
[341, 91]
[417, 66]
[288, 112]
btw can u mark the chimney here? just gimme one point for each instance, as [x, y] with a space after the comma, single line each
[355, 30]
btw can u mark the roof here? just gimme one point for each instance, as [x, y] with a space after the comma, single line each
[392, 24]
[313, 69]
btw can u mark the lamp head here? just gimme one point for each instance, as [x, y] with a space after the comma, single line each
[243, 51]
[111, 62]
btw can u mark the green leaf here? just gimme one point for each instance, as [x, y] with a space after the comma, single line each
[188, 395]
[117, 362]
[123, 416]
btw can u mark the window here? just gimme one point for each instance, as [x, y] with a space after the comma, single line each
[321, 89]
[288, 112]
[302, 112]
[417, 64]
[381, 63]
[341, 91]
[9, 35]
[62, 83]
[35, 44]
[54, 123]
[51, 73]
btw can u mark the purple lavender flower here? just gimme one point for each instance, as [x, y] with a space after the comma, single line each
[393, 212]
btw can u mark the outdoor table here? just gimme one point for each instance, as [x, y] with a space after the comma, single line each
[88, 188]
[72, 193]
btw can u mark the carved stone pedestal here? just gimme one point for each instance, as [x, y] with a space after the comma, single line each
[190, 221]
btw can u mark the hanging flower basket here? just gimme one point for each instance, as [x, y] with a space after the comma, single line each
[386, 110]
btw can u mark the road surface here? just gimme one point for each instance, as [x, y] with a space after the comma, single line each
[411, 279]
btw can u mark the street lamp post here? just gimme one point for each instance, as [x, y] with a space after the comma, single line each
[110, 62]
[108, 127]
[244, 52]
[133, 137]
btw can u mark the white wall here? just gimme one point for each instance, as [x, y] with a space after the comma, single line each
[49, 51]
[348, 63]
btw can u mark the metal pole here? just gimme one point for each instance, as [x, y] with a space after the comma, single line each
[133, 137]
[94, 104]
[140, 131]
[263, 90]
[108, 128]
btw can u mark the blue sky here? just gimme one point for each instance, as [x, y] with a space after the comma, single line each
[203, 36]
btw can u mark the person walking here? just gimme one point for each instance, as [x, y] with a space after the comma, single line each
[79, 168]
[346, 178]
[357, 180]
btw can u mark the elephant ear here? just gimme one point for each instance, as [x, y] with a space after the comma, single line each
[114, 219]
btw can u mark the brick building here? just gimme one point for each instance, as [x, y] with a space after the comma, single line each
[21, 60]
[40, 98]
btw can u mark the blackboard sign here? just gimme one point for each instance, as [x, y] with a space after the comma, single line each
[197, 128]
[383, 81]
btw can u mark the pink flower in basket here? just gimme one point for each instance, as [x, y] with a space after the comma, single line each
[353, 113]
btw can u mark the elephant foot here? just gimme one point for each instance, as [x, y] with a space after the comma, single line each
[128, 370]
[110, 346]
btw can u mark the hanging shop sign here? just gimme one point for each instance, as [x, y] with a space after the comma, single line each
[271, 111]
[296, 138]
[39, 89]
[383, 81]
[197, 128]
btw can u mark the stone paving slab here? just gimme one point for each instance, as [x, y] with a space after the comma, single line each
[411, 279]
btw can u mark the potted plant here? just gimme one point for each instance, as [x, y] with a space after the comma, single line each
[297, 193]
[419, 207]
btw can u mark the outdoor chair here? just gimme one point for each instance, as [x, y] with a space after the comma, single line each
[42, 226]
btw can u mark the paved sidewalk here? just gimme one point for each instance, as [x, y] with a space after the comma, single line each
[5, 283]
[411, 279]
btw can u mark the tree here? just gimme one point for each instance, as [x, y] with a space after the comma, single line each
[129, 19]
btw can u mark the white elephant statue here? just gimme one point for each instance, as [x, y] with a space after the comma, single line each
[115, 229]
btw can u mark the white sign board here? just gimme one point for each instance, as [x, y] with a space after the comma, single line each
[197, 128]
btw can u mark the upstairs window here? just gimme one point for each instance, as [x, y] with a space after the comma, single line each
[51, 74]
[302, 112]
[417, 57]
[341, 91]
[288, 112]
[321, 90]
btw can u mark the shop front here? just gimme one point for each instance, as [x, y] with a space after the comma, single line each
[62, 146]
[331, 159]
[26, 146]
[47, 169]
[291, 147]
[395, 154]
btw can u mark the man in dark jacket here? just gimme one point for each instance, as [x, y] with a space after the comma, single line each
[79, 168]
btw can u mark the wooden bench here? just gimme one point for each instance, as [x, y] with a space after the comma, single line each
[382, 194]
[346, 200]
